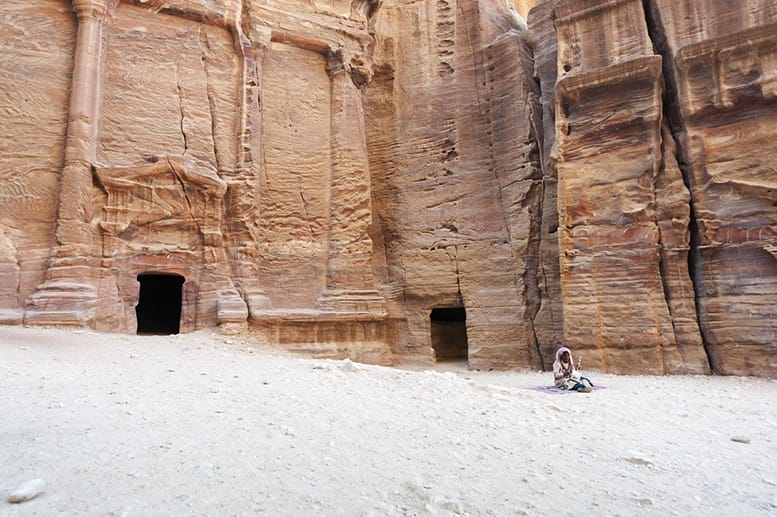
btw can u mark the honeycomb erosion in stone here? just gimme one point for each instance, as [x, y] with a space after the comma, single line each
[399, 181]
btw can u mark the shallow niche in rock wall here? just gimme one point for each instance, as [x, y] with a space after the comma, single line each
[296, 139]
[157, 171]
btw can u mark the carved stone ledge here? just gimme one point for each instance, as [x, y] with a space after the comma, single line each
[352, 301]
[223, 13]
[11, 316]
[648, 66]
[572, 11]
[721, 73]
[231, 307]
[589, 105]
[360, 336]
[62, 303]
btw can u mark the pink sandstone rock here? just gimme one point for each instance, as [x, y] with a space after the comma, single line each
[722, 74]
[623, 220]
[398, 181]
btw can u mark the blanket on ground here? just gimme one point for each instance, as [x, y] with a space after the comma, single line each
[558, 391]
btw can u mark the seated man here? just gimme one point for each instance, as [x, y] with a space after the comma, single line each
[566, 376]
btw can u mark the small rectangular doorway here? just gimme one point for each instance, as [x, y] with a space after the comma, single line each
[449, 333]
[159, 304]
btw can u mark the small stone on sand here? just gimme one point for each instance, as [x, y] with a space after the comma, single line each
[27, 491]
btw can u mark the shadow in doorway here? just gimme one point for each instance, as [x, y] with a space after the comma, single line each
[159, 304]
[449, 334]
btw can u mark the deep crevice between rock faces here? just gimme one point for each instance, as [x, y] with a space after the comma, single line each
[672, 114]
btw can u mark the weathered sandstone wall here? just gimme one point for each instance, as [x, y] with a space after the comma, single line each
[456, 175]
[35, 83]
[721, 73]
[623, 209]
[400, 180]
[663, 125]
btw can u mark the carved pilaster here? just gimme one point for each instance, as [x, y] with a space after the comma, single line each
[350, 283]
[69, 294]
[251, 44]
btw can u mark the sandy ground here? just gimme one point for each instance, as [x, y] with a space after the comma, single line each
[204, 424]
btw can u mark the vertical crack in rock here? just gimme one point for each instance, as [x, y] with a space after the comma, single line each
[445, 33]
[455, 259]
[498, 69]
[247, 74]
[531, 275]
[671, 112]
[696, 270]
[662, 269]
[543, 48]
[478, 65]
[483, 110]
[182, 124]
[181, 110]
[657, 171]
[305, 209]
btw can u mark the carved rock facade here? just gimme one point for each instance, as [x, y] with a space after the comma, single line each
[398, 181]
[218, 142]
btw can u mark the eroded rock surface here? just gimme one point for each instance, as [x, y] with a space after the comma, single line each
[665, 110]
[399, 181]
[623, 209]
[456, 175]
[217, 141]
[722, 72]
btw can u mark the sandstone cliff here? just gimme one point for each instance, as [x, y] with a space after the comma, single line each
[721, 75]
[399, 180]
[456, 175]
[666, 206]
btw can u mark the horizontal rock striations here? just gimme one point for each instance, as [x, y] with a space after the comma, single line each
[399, 181]
[721, 68]
[623, 209]
[661, 146]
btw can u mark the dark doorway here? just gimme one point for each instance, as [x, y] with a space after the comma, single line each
[449, 333]
[159, 304]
